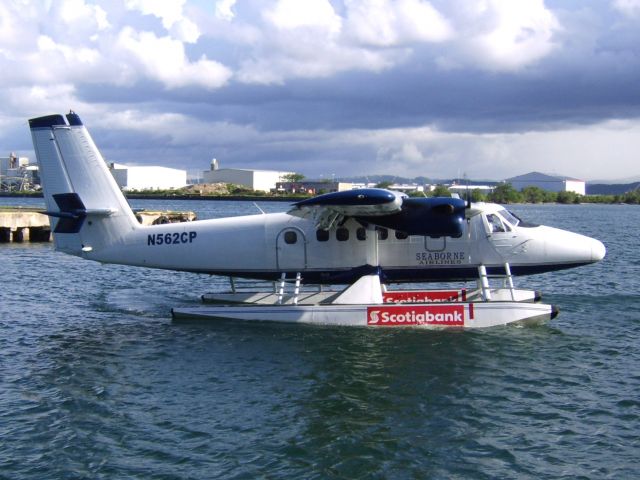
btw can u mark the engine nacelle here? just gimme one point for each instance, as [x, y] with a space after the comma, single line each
[432, 217]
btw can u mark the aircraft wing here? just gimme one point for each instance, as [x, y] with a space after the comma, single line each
[331, 208]
[472, 211]
[436, 216]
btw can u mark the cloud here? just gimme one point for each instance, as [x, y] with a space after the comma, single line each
[79, 15]
[386, 23]
[311, 40]
[500, 35]
[177, 129]
[589, 153]
[171, 14]
[300, 39]
[71, 56]
[224, 9]
[164, 59]
[77, 42]
[411, 87]
[523, 34]
[293, 14]
[315, 39]
[628, 7]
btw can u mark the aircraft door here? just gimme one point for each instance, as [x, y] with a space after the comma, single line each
[501, 236]
[291, 250]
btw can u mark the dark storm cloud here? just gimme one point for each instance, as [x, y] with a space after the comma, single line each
[462, 101]
[346, 89]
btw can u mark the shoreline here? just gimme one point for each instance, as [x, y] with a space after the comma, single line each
[289, 198]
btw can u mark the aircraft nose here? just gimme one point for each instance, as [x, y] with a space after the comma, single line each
[598, 250]
[566, 247]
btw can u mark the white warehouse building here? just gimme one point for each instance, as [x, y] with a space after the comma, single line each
[148, 178]
[264, 180]
[549, 183]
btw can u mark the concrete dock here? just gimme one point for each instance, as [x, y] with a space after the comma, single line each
[26, 224]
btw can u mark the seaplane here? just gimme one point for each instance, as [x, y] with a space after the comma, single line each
[363, 240]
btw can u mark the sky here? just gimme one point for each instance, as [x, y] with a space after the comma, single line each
[334, 88]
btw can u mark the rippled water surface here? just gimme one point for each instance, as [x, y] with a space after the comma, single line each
[96, 381]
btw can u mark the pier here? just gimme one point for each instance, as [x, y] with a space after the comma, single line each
[26, 224]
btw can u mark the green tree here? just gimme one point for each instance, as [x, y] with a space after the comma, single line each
[477, 195]
[533, 194]
[568, 197]
[440, 191]
[631, 197]
[505, 193]
[385, 184]
[293, 177]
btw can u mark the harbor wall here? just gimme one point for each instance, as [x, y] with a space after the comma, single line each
[21, 224]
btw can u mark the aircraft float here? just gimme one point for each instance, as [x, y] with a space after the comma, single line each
[365, 239]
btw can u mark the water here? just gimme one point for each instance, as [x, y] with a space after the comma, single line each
[96, 381]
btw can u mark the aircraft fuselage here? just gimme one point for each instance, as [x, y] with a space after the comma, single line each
[264, 246]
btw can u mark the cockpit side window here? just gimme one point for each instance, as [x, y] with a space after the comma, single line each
[495, 224]
[522, 223]
[509, 217]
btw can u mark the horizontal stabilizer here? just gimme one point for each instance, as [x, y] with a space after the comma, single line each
[71, 215]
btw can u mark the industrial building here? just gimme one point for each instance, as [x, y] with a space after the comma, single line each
[263, 180]
[148, 178]
[464, 189]
[549, 183]
[16, 173]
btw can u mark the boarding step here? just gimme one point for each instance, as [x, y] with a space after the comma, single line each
[286, 291]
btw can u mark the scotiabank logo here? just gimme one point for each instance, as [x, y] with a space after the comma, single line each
[392, 316]
[425, 296]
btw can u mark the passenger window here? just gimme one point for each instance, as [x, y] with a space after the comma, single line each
[495, 225]
[400, 235]
[322, 235]
[342, 234]
[290, 237]
[383, 233]
[361, 234]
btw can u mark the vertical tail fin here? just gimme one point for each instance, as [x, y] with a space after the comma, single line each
[88, 211]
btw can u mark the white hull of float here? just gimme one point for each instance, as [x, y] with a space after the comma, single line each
[429, 315]
[363, 304]
[388, 297]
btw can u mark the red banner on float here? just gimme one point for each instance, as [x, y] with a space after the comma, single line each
[398, 315]
[425, 296]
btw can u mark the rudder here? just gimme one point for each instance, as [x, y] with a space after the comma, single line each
[88, 212]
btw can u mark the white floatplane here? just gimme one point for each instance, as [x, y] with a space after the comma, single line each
[365, 239]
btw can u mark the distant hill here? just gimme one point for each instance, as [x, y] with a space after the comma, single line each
[416, 180]
[613, 189]
[591, 188]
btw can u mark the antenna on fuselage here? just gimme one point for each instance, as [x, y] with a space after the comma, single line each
[468, 192]
[261, 211]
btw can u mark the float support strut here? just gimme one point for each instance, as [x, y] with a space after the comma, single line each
[484, 283]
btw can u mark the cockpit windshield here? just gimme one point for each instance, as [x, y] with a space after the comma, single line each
[509, 217]
[515, 220]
